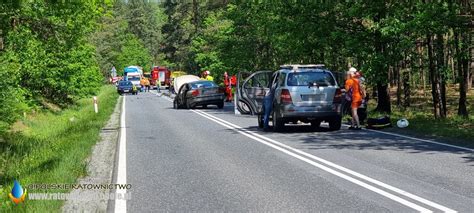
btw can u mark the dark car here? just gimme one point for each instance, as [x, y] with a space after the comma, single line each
[199, 93]
[126, 87]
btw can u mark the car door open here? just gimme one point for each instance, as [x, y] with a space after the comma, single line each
[252, 90]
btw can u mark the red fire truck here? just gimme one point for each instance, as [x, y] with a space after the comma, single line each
[161, 76]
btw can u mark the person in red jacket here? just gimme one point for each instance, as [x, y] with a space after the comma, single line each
[352, 86]
[228, 86]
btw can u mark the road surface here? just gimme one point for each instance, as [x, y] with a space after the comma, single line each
[212, 160]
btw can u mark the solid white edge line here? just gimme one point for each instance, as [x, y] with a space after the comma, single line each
[325, 168]
[121, 204]
[400, 191]
[419, 139]
[364, 177]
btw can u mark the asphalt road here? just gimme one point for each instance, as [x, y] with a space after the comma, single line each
[212, 160]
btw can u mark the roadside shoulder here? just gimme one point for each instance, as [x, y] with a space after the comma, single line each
[99, 169]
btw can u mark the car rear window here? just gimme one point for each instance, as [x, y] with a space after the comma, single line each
[305, 78]
[125, 83]
[203, 84]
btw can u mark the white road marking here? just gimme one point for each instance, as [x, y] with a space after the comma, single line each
[400, 191]
[156, 93]
[121, 204]
[279, 146]
[418, 139]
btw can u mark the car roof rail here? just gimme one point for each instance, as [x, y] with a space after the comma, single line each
[302, 66]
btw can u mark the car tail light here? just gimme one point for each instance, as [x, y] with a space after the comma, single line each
[285, 97]
[337, 96]
[195, 92]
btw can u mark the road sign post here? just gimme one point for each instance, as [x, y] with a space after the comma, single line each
[96, 106]
[113, 72]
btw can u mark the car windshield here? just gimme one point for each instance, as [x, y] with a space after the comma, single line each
[203, 84]
[133, 78]
[125, 83]
[306, 78]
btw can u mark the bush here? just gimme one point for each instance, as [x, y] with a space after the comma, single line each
[12, 101]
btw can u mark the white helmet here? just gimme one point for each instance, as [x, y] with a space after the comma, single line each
[207, 72]
[352, 71]
[402, 123]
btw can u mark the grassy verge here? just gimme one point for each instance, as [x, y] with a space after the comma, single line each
[453, 129]
[52, 148]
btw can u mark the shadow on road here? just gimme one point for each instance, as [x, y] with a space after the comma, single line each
[323, 138]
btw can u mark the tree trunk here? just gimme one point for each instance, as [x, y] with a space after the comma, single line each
[442, 92]
[470, 71]
[383, 100]
[420, 67]
[441, 75]
[470, 77]
[462, 40]
[463, 69]
[399, 84]
[195, 15]
[391, 78]
[406, 88]
[433, 79]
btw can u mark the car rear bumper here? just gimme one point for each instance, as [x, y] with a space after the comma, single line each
[206, 100]
[124, 90]
[291, 111]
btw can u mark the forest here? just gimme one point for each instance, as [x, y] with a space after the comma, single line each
[411, 52]
[53, 53]
[409, 45]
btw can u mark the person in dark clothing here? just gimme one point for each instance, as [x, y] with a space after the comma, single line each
[268, 105]
[267, 108]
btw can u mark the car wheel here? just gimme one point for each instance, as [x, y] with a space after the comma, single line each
[335, 124]
[315, 124]
[260, 121]
[220, 105]
[278, 123]
[188, 105]
[175, 104]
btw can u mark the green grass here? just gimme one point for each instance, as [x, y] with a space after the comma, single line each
[453, 129]
[51, 148]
